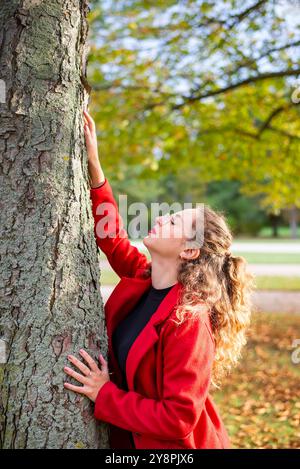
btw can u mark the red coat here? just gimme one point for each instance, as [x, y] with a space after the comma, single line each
[168, 369]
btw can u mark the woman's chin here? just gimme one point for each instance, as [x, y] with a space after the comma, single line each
[147, 239]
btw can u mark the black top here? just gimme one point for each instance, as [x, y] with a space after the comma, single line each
[127, 330]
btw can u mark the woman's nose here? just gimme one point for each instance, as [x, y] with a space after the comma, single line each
[161, 219]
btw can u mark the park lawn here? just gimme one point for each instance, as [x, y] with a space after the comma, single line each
[260, 400]
[269, 257]
[277, 283]
[109, 277]
[263, 239]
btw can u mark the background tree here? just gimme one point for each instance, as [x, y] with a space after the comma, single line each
[50, 299]
[202, 84]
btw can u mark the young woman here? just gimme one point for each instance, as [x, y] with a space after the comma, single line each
[175, 325]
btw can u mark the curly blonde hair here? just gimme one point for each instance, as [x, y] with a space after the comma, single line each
[219, 283]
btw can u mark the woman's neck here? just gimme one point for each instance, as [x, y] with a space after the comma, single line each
[163, 272]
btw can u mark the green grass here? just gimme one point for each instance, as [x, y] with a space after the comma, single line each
[258, 257]
[278, 283]
[109, 277]
[269, 258]
[259, 401]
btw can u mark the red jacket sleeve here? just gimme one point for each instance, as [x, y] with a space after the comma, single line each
[188, 356]
[123, 257]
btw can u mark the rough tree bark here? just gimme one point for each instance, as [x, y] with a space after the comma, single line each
[50, 298]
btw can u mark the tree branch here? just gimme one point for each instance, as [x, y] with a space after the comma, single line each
[240, 16]
[233, 86]
[253, 60]
[269, 119]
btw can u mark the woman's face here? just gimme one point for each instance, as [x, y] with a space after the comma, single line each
[170, 232]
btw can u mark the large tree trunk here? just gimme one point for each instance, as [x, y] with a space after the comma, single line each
[50, 298]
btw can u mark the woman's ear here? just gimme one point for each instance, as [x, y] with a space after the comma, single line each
[190, 253]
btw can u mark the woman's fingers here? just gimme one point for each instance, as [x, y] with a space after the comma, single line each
[91, 122]
[81, 366]
[74, 374]
[87, 130]
[88, 135]
[86, 122]
[92, 364]
[80, 389]
[104, 364]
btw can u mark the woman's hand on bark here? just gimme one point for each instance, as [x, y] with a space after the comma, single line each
[90, 137]
[94, 167]
[92, 377]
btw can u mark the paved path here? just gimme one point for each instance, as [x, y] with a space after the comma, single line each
[284, 270]
[263, 300]
[277, 301]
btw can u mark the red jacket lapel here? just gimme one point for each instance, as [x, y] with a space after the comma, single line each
[122, 300]
[148, 336]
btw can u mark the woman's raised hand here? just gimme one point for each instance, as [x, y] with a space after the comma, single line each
[90, 136]
[94, 167]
